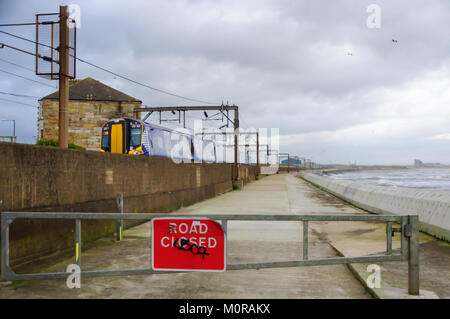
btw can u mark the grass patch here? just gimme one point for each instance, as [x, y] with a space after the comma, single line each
[19, 284]
[54, 143]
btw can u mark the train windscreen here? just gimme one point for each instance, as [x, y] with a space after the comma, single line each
[135, 136]
[105, 139]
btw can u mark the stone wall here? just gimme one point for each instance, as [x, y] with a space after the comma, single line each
[39, 178]
[86, 119]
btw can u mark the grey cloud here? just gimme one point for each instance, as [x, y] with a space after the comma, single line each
[284, 63]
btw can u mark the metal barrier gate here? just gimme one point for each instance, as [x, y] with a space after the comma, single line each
[409, 231]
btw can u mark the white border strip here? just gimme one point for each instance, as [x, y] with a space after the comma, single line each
[192, 270]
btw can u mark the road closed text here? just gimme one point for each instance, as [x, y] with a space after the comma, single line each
[188, 244]
[196, 233]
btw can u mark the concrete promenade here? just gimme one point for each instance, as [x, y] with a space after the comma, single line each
[249, 242]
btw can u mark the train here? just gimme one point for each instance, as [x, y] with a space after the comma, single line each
[134, 137]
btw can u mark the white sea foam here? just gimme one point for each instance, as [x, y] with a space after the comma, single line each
[432, 178]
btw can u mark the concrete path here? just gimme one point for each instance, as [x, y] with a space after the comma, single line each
[248, 242]
[360, 238]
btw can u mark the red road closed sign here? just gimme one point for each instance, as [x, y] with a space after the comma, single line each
[188, 244]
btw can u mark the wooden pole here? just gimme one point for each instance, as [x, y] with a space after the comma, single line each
[63, 77]
[413, 256]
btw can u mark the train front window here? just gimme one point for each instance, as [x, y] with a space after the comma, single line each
[135, 136]
[105, 139]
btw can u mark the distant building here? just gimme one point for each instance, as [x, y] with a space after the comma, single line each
[419, 163]
[91, 105]
[11, 139]
[292, 161]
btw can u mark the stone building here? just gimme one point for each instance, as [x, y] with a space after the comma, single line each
[91, 105]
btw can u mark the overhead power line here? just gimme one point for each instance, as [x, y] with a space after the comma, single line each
[18, 65]
[19, 95]
[23, 77]
[114, 73]
[43, 57]
[144, 85]
[17, 49]
[17, 24]
[28, 40]
[17, 102]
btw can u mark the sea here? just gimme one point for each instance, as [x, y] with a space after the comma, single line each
[429, 178]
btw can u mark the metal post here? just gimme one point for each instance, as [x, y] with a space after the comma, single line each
[225, 230]
[119, 223]
[78, 242]
[236, 144]
[305, 240]
[5, 246]
[389, 238]
[413, 256]
[289, 160]
[404, 239]
[63, 77]
[257, 150]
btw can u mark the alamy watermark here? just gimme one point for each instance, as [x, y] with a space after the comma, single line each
[374, 279]
[213, 145]
[74, 279]
[373, 21]
[74, 20]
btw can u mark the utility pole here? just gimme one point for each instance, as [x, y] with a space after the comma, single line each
[63, 76]
[257, 150]
[267, 150]
[236, 143]
[289, 163]
[245, 145]
[289, 159]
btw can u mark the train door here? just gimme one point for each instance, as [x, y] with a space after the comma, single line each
[117, 138]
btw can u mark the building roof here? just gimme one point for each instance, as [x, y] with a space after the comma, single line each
[89, 89]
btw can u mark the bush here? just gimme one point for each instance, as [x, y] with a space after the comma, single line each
[53, 142]
[47, 142]
[77, 147]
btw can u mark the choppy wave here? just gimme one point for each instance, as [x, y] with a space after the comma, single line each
[430, 178]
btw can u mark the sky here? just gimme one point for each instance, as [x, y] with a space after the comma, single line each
[325, 73]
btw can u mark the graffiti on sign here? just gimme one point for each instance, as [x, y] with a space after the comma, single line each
[186, 245]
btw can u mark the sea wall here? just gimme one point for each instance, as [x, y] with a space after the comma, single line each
[432, 206]
[39, 178]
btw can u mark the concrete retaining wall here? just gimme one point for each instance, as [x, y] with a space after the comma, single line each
[39, 178]
[432, 206]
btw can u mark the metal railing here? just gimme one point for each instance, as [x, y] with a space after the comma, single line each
[409, 232]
